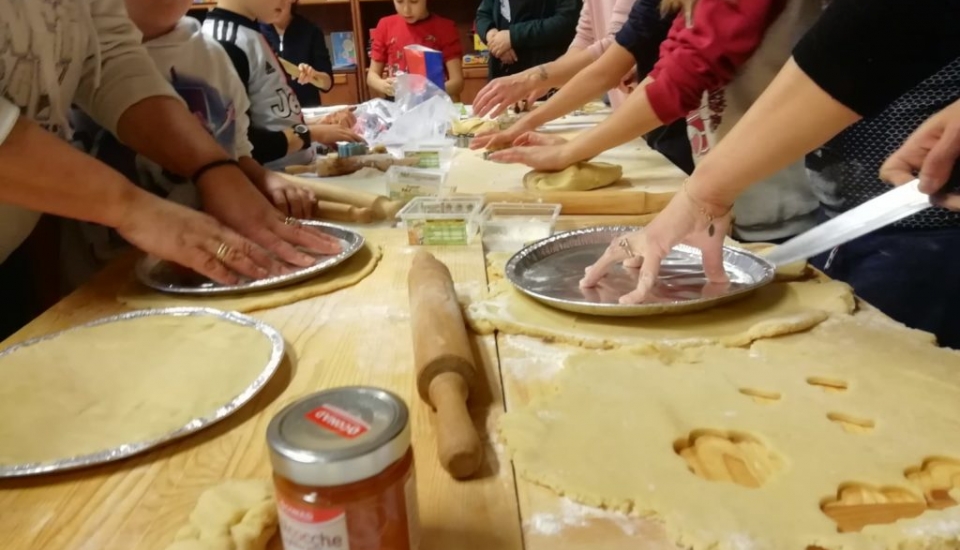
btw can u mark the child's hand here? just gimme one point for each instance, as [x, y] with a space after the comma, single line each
[387, 88]
[343, 117]
[307, 73]
[289, 198]
[509, 58]
[330, 134]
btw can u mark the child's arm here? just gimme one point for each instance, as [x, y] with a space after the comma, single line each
[454, 84]
[376, 82]
[289, 198]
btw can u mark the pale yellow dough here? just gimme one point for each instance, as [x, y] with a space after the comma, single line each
[606, 436]
[347, 274]
[774, 310]
[96, 388]
[234, 515]
[473, 126]
[582, 176]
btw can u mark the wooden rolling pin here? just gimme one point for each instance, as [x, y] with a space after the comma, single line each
[445, 367]
[590, 202]
[382, 207]
[343, 212]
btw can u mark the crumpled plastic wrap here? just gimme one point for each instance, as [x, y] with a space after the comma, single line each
[421, 113]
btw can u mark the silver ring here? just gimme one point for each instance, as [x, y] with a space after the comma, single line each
[290, 220]
[624, 244]
[222, 252]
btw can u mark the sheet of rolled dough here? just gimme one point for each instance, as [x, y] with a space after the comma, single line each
[606, 436]
[237, 514]
[582, 176]
[99, 387]
[774, 310]
[347, 274]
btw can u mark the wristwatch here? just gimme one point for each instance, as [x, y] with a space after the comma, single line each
[304, 134]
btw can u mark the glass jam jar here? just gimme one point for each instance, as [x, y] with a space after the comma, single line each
[343, 472]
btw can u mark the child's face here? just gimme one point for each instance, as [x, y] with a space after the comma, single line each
[157, 16]
[269, 11]
[411, 10]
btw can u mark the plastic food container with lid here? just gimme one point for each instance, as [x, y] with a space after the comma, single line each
[343, 472]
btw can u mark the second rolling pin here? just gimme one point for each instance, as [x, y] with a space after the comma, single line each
[446, 372]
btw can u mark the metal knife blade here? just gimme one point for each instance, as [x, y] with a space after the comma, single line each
[892, 206]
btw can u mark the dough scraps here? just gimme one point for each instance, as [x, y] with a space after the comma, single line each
[473, 126]
[95, 388]
[349, 273]
[234, 515]
[582, 176]
[613, 431]
[773, 310]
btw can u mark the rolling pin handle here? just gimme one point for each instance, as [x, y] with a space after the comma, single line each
[458, 444]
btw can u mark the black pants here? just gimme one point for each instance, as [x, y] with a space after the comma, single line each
[672, 142]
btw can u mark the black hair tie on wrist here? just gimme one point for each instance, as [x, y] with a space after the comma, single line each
[210, 166]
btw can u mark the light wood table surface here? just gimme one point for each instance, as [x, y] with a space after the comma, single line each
[359, 335]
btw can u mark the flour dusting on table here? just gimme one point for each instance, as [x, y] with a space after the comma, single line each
[573, 514]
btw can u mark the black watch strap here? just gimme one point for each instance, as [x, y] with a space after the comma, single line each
[304, 134]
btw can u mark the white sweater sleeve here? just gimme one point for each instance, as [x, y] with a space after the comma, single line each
[126, 73]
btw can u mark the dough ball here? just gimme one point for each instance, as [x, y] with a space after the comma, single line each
[582, 176]
[235, 515]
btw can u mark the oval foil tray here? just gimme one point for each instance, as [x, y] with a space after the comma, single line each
[550, 271]
[168, 277]
[136, 447]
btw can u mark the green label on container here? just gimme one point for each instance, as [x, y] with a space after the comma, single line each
[443, 232]
[427, 159]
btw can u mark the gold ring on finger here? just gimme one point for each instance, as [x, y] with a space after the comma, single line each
[222, 251]
[624, 244]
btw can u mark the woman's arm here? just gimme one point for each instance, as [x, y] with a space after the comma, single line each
[590, 83]
[454, 83]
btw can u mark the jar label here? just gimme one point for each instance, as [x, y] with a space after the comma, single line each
[338, 421]
[304, 528]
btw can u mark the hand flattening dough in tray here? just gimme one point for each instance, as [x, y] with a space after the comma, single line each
[844, 438]
[349, 273]
[774, 310]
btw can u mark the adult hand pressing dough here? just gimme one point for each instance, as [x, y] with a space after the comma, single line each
[349, 273]
[628, 431]
[582, 176]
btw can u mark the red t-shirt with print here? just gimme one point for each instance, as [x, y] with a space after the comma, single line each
[393, 34]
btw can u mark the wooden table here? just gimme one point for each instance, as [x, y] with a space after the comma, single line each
[358, 335]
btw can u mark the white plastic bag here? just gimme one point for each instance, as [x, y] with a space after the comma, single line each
[422, 113]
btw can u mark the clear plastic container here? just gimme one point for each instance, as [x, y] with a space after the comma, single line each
[512, 225]
[441, 221]
[406, 182]
[433, 156]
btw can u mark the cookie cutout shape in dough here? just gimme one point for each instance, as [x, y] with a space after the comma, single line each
[626, 412]
[582, 176]
[96, 388]
[773, 310]
[473, 126]
[234, 515]
[349, 273]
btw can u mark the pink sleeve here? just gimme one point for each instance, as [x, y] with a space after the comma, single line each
[706, 55]
[621, 10]
[586, 35]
